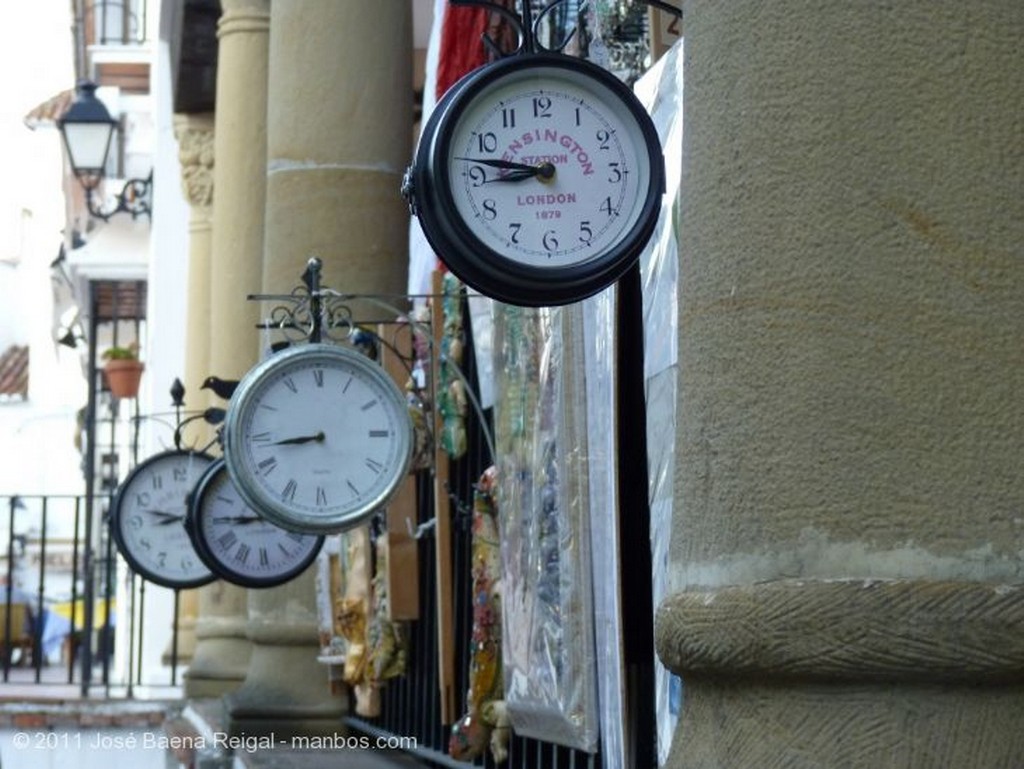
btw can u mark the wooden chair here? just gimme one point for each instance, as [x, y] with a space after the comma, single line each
[20, 633]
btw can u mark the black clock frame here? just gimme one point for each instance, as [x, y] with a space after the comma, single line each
[480, 266]
[194, 526]
[115, 525]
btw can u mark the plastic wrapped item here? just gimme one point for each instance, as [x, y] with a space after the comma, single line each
[600, 343]
[661, 91]
[540, 430]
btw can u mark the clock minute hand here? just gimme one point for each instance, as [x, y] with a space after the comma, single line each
[168, 521]
[239, 519]
[318, 437]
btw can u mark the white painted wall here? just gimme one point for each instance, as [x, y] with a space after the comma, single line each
[36, 438]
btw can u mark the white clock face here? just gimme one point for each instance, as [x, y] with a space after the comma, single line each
[148, 516]
[546, 167]
[317, 438]
[241, 546]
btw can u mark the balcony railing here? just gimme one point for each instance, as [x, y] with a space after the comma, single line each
[58, 570]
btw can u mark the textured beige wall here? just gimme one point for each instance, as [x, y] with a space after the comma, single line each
[853, 292]
[241, 148]
[339, 146]
[848, 533]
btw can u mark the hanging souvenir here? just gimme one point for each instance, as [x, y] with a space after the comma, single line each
[451, 394]
[486, 722]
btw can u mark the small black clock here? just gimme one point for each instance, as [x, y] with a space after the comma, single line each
[147, 519]
[538, 179]
[239, 545]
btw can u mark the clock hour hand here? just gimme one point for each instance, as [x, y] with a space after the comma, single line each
[168, 521]
[498, 163]
[318, 437]
[162, 514]
[522, 170]
[515, 176]
[240, 519]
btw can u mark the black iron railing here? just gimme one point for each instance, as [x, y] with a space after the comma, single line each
[48, 562]
[411, 704]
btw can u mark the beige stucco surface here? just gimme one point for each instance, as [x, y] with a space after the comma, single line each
[848, 526]
[853, 292]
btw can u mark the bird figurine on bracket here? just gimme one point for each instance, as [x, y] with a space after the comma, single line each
[222, 388]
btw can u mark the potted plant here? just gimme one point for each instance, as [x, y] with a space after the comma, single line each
[123, 370]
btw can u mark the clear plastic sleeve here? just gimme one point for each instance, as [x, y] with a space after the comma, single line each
[661, 91]
[540, 430]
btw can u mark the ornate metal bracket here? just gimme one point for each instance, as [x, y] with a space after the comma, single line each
[134, 198]
[315, 313]
[527, 26]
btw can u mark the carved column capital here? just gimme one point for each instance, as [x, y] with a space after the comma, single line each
[195, 153]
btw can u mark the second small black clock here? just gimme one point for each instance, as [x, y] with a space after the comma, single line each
[237, 544]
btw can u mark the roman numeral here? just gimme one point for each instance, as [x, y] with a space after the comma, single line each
[227, 539]
[374, 465]
[289, 490]
[318, 377]
[260, 437]
[379, 433]
[321, 496]
[242, 554]
[264, 557]
[267, 465]
[369, 405]
[290, 384]
[352, 487]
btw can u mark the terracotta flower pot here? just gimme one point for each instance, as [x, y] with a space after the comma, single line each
[123, 377]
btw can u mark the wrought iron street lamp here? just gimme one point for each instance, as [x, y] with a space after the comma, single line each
[87, 129]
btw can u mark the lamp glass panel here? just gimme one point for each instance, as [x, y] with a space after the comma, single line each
[88, 144]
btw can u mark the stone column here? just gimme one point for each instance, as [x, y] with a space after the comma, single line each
[195, 153]
[846, 547]
[340, 100]
[222, 656]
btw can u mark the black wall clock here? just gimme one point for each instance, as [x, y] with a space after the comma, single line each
[147, 519]
[538, 179]
[317, 438]
[237, 544]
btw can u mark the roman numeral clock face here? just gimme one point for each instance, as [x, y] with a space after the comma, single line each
[239, 545]
[148, 516]
[317, 438]
[538, 179]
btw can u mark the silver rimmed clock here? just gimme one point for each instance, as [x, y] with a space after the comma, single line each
[317, 438]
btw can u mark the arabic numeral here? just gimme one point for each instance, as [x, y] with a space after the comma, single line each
[478, 176]
[603, 137]
[487, 142]
[606, 206]
[550, 241]
[541, 106]
[586, 234]
[508, 117]
[615, 173]
[490, 212]
[515, 227]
